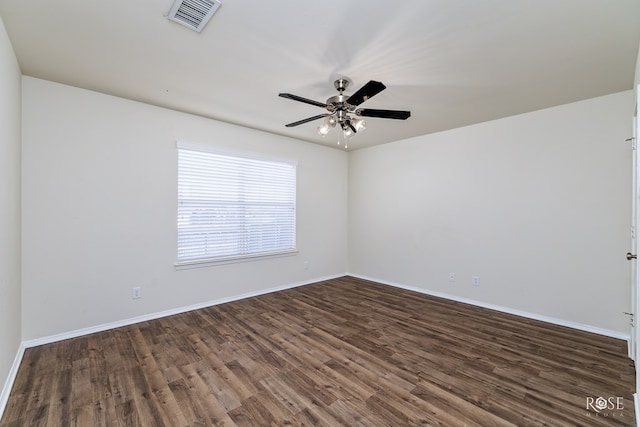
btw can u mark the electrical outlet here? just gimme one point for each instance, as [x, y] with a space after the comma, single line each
[135, 293]
[452, 277]
[306, 265]
[476, 280]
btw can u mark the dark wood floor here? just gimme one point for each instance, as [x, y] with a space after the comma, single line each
[342, 352]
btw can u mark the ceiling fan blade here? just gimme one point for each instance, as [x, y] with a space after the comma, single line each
[310, 119]
[365, 92]
[301, 99]
[383, 114]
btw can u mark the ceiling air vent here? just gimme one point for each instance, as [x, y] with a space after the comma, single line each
[193, 13]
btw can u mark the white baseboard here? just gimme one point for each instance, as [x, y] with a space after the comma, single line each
[178, 310]
[8, 384]
[534, 316]
[157, 315]
[636, 405]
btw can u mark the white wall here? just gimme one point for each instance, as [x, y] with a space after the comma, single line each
[9, 206]
[99, 210]
[537, 205]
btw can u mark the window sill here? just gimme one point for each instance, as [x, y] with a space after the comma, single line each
[185, 265]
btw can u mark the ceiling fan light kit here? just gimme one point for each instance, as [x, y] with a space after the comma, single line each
[342, 109]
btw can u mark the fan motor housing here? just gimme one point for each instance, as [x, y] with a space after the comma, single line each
[339, 102]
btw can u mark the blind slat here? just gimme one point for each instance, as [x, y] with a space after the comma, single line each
[233, 205]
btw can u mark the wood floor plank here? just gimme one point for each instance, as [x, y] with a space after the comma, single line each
[350, 415]
[209, 404]
[344, 351]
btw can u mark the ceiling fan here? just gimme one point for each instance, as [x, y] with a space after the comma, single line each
[341, 108]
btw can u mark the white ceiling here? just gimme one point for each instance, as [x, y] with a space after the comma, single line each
[450, 62]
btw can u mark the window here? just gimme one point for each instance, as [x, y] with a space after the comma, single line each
[233, 206]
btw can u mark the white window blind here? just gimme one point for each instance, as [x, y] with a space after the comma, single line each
[233, 206]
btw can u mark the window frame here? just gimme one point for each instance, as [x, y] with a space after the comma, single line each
[238, 156]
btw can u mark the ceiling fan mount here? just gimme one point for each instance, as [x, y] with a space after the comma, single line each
[341, 84]
[341, 107]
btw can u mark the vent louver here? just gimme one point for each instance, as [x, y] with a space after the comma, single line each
[193, 13]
